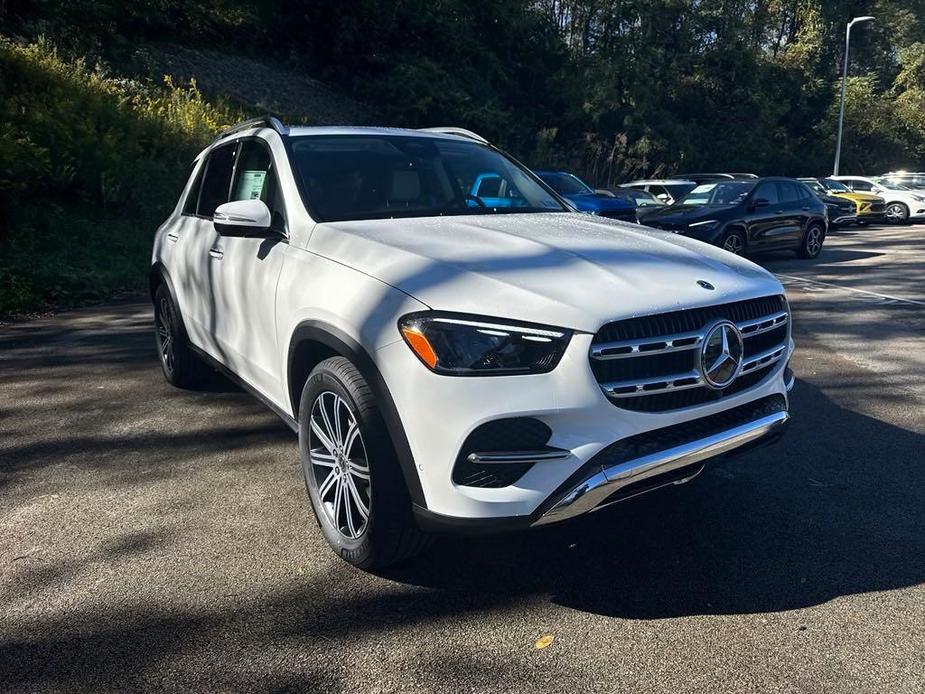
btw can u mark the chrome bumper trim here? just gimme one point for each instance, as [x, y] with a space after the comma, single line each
[593, 492]
[502, 457]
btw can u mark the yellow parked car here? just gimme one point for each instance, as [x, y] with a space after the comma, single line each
[870, 207]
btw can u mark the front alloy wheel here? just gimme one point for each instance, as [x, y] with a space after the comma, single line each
[896, 213]
[339, 465]
[352, 472]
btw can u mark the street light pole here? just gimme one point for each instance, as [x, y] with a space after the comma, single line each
[844, 80]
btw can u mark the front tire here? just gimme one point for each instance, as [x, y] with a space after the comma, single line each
[351, 470]
[896, 213]
[811, 246]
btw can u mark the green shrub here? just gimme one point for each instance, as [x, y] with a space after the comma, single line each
[89, 166]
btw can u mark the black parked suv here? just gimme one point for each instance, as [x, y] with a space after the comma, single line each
[749, 215]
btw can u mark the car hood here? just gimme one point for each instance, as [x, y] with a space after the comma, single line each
[564, 269]
[859, 197]
[596, 202]
[912, 191]
[687, 214]
[833, 200]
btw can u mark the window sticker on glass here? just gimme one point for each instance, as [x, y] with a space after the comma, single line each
[250, 185]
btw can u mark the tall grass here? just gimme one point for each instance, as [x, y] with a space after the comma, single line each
[90, 164]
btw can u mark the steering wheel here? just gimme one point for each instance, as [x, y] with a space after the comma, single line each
[478, 200]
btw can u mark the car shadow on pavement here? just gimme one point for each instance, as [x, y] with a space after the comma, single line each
[817, 515]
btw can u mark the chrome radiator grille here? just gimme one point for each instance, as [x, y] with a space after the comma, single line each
[652, 363]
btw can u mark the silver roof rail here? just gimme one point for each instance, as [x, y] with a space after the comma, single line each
[260, 121]
[462, 132]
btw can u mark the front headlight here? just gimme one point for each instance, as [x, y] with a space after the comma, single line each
[464, 345]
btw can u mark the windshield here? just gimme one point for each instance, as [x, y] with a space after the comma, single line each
[815, 185]
[351, 177]
[835, 186]
[679, 190]
[719, 193]
[565, 184]
[638, 197]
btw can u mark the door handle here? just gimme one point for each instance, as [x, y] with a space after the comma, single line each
[216, 253]
[173, 237]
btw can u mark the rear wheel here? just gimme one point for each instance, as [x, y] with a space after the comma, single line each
[351, 470]
[896, 213]
[181, 367]
[811, 246]
[733, 241]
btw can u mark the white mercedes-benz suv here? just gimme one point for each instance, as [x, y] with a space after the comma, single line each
[453, 361]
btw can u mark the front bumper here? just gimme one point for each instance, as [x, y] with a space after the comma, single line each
[440, 412]
[843, 219]
[610, 482]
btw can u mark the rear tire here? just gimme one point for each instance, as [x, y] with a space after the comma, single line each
[351, 470]
[181, 366]
[811, 246]
[896, 213]
[733, 241]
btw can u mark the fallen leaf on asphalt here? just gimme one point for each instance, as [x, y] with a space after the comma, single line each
[543, 641]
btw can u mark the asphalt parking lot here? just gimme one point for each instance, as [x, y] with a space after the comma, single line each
[161, 539]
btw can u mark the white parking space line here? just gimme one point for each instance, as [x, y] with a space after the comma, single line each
[852, 289]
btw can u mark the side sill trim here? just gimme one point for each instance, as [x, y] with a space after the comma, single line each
[238, 381]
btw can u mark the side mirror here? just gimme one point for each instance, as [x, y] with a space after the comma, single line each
[243, 218]
[760, 202]
[664, 197]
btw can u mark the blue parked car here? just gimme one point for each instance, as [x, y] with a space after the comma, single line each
[492, 190]
[582, 196]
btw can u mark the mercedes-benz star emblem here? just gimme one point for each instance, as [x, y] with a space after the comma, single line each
[705, 284]
[721, 355]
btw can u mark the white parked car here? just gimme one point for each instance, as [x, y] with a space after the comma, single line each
[901, 203]
[910, 179]
[669, 191]
[451, 362]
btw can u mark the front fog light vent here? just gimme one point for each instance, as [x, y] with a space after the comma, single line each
[498, 453]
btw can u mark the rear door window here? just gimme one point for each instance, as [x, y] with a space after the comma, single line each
[789, 193]
[217, 180]
[804, 191]
[767, 191]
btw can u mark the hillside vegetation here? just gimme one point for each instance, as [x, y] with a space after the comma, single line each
[89, 166]
[96, 141]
